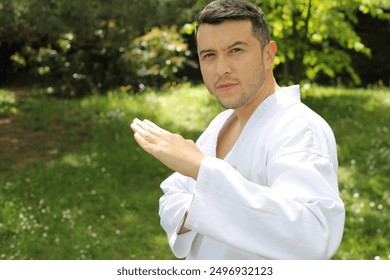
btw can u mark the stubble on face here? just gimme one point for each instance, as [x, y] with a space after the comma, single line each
[232, 65]
[249, 88]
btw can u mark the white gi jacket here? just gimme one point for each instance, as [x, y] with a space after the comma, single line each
[274, 196]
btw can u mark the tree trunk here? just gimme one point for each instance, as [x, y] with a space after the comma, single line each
[301, 37]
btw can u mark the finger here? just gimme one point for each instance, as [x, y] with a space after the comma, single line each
[150, 126]
[137, 128]
[144, 133]
[141, 127]
[154, 126]
[144, 128]
[144, 144]
[133, 127]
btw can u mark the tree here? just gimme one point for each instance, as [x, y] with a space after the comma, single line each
[76, 47]
[315, 36]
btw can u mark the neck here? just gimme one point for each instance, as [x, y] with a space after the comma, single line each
[244, 112]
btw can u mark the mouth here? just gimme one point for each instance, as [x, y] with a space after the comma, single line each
[226, 86]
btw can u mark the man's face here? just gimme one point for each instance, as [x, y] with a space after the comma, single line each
[231, 62]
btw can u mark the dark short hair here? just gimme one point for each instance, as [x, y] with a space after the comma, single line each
[223, 10]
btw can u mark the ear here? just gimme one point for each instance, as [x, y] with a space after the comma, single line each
[269, 53]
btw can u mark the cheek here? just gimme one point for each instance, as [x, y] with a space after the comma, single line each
[250, 67]
[207, 74]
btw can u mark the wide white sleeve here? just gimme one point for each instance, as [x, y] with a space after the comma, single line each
[299, 215]
[178, 194]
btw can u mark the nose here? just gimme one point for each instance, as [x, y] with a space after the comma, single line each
[222, 66]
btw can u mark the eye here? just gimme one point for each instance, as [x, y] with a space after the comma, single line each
[208, 56]
[236, 50]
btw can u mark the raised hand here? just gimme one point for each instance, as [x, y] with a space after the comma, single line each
[171, 149]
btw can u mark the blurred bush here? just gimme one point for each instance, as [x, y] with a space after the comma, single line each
[158, 55]
[76, 47]
[7, 103]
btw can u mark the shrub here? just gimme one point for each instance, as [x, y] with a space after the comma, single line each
[77, 47]
[7, 103]
[158, 55]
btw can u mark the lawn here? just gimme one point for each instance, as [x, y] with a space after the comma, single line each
[74, 184]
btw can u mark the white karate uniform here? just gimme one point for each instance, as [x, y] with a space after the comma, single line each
[274, 196]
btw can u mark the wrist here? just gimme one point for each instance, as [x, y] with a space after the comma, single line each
[196, 168]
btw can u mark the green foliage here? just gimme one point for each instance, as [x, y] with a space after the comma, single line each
[315, 37]
[7, 103]
[94, 194]
[78, 47]
[69, 68]
[158, 55]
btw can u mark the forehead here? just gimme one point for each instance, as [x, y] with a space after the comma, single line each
[223, 34]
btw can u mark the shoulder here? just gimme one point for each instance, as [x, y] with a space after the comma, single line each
[299, 129]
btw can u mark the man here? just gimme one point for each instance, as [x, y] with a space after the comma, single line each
[261, 181]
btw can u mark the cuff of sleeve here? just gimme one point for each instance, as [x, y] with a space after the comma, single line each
[208, 164]
[209, 189]
[181, 243]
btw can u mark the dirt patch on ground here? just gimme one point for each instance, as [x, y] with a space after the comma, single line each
[20, 145]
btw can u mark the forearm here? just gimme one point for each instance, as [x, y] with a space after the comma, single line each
[183, 229]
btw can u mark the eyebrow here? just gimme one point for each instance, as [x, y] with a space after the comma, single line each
[237, 43]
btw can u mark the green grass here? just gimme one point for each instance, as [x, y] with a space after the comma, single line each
[360, 120]
[91, 193]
